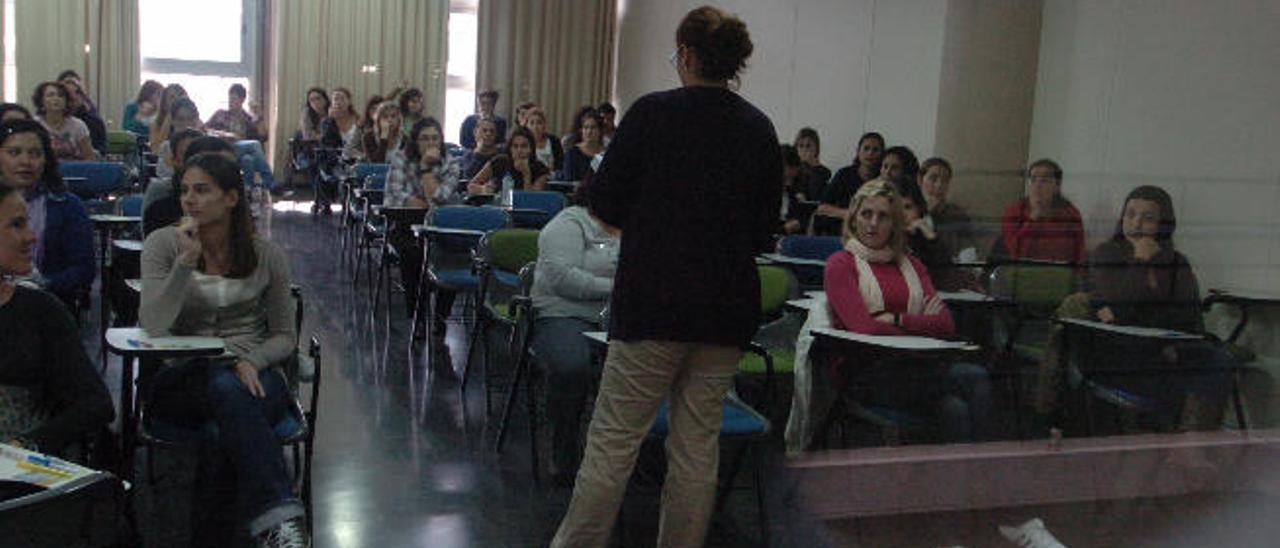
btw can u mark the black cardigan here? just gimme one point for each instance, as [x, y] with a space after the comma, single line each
[40, 350]
[693, 177]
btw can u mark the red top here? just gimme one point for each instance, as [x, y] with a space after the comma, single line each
[851, 314]
[1059, 237]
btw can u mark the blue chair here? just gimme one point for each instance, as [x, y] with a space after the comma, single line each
[817, 248]
[131, 205]
[93, 182]
[534, 208]
[449, 256]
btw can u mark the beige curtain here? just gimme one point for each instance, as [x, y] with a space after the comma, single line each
[558, 54]
[51, 36]
[328, 43]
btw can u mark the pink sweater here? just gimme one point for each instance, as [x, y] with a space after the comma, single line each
[851, 314]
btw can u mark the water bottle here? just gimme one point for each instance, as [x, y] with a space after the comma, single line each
[507, 196]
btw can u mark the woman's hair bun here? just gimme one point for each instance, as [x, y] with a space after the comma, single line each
[719, 39]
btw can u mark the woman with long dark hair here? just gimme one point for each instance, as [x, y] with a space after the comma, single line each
[865, 167]
[313, 113]
[64, 249]
[211, 276]
[71, 140]
[686, 297]
[813, 175]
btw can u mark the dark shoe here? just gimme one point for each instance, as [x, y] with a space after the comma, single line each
[289, 534]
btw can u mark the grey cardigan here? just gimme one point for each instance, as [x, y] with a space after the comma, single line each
[259, 331]
[576, 262]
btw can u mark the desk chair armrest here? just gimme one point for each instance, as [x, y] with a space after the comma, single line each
[759, 350]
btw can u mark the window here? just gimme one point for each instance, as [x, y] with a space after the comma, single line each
[10, 57]
[204, 45]
[460, 95]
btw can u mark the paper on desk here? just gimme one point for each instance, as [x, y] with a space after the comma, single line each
[964, 295]
[896, 341]
[11, 470]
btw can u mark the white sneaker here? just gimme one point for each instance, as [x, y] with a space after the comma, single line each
[1031, 534]
[289, 534]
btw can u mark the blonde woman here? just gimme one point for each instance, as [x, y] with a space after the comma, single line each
[874, 287]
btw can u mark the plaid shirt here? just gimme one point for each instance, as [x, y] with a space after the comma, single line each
[404, 181]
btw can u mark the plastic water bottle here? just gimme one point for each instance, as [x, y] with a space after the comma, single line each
[507, 196]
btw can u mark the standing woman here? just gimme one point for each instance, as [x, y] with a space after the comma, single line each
[588, 146]
[64, 249]
[384, 136]
[342, 127]
[70, 135]
[813, 175]
[546, 147]
[313, 114]
[211, 276]
[667, 160]
[141, 113]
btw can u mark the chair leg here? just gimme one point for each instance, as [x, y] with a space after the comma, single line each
[532, 397]
[761, 516]
[151, 468]
[735, 464]
[476, 332]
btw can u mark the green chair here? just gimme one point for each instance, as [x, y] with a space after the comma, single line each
[499, 259]
[774, 347]
[1038, 289]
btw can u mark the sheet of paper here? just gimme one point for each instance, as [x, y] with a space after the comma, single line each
[1135, 331]
[24, 466]
[893, 341]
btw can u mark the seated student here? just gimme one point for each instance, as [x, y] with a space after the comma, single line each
[50, 393]
[608, 117]
[486, 102]
[830, 214]
[183, 115]
[160, 205]
[422, 174]
[486, 147]
[341, 127]
[141, 112]
[161, 128]
[577, 257]
[949, 220]
[81, 108]
[925, 243]
[53, 111]
[898, 163]
[14, 111]
[64, 248]
[1043, 225]
[246, 132]
[875, 287]
[545, 147]
[791, 219]
[526, 172]
[309, 124]
[522, 113]
[384, 137]
[1139, 278]
[211, 276]
[410, 110]
[578, 156]
[813, 175]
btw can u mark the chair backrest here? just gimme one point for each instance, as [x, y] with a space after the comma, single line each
[99, 178]
[484, 219]
[510, 249]
[545, 200]
[818, 248]
[376, 181]
[131, 205]
[1038, 289]
[363, 170]
[774, 289]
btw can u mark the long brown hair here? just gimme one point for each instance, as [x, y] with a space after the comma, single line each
[226, 174]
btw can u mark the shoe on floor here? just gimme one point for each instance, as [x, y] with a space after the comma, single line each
[1031, 534]
[289, 534]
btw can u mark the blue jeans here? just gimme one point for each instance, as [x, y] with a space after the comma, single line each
[254, 161]
[193, 393]
[570, 368]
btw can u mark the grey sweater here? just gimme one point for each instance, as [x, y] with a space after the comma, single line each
[255, 320]
[576, 262]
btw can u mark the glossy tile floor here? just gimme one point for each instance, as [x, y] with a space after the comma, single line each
[402, 459]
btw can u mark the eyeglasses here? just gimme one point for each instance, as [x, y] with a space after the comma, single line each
[674, 55]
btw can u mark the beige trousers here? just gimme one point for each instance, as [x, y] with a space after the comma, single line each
[637, 377]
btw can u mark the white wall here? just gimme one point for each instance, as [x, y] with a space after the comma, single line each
[1176, 93]
[840, 66]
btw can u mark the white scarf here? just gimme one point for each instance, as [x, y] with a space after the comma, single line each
[869, 287]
